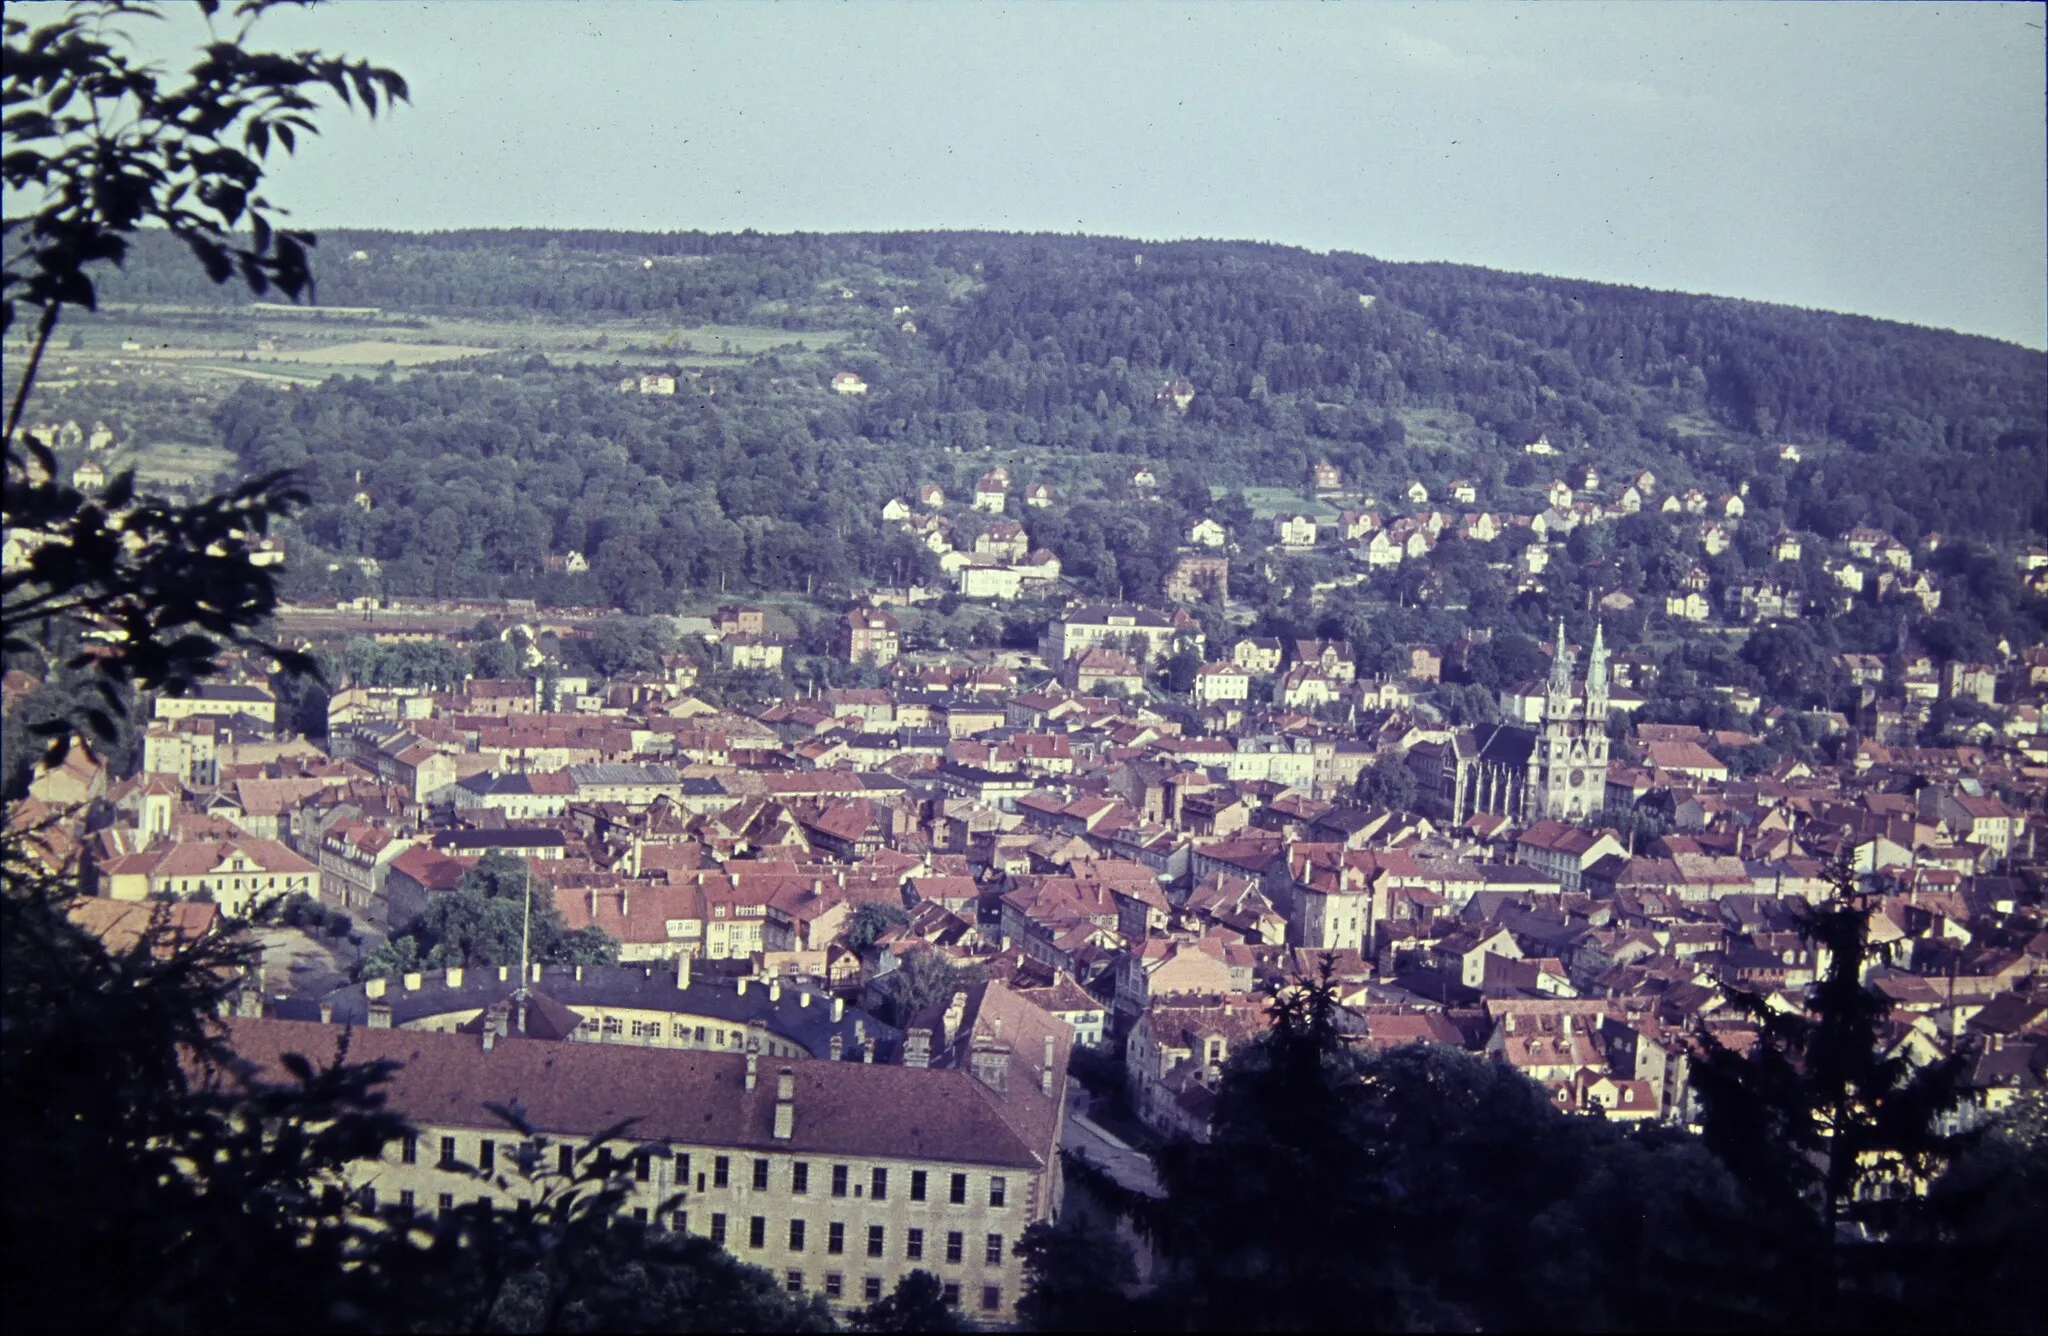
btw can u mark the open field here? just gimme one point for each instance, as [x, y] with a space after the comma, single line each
[179, 465]
[1437, 429]
[210, 343]
[376, 352]
[1266, 502]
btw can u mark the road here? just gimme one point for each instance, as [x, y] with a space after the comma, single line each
[1131, 1169]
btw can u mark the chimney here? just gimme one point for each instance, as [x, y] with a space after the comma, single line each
[838, 1009]
[867, 1053]
[327, 1013]
[785, 1105]
[412, 981]
[380, 1014]
[490, 1037]
[1045, 1070]
[743, 987]
[536, 971]
[504, 973]
[838, 1047]
[579, 974]
[625, 899]
[775, 989]
[753, 1069]
[683, 969]
[804, 997]
[376, 987]
[593, 902]
[455, 976]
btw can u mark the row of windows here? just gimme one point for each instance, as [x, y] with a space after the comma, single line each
[526, 1153]
[835, 1282]
[871, 1289]
[645, 1029]
[835, 1239]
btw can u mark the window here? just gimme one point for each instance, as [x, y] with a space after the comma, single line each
[682, 1168]
[612, 1025]
[760, 1175]
[839, 1180]
[718, 1230]
[959, 1194]
[639, 1215]
[483, 1205]
[603, 1168]
[757, 1231]
[835, 1285]
[647, 1029]
[871, 1288]
[406, 1201]
[835, 1237]
[793, 1281]
[998, 1189]
[917, 1177]
[913, 1246]
[875, 1235]
[796, 1236]
[956, 1246]
[800, 1177]
[565, 1159]
[878, 1185]
[369, 1199]
[951, 1294]
[678, 1030]
[721, 1171]
[991, 1298]
[994, 1255]
[486, 1155]
[447, 1151]
[446, 1201]
[643, 1166]
[409, 1149]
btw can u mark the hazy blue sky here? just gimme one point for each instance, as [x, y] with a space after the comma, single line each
[1883, 158]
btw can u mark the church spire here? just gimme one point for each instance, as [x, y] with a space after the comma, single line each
[1596, 677]
[1561, 663]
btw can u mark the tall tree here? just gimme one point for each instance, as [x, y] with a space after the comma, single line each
[1830, 1123]
[499, 909]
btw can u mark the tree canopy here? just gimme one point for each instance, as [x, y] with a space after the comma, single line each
[485, 921]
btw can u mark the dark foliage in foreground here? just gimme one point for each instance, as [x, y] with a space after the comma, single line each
[1429, 1189]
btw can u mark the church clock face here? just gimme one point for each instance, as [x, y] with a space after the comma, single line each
[1578, 778]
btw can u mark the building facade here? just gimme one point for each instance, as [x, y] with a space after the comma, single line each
[1556, 770]
[839, 1177]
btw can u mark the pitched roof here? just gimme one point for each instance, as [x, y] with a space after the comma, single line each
[683, 1096]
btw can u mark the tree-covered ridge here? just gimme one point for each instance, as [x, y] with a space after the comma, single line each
[1050, 354]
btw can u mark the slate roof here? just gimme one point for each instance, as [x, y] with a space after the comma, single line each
[625, 987]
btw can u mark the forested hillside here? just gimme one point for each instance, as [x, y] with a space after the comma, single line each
[1049, 354]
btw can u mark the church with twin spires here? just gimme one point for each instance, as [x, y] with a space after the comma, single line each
[1556, 770]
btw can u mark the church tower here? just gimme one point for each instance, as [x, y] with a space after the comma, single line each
[1568, 765]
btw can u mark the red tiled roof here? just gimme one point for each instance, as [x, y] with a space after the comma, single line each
[683, 1096]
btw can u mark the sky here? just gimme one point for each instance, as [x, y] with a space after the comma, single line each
[1886, 159]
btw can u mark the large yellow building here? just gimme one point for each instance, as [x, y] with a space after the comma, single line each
[839, 1177]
